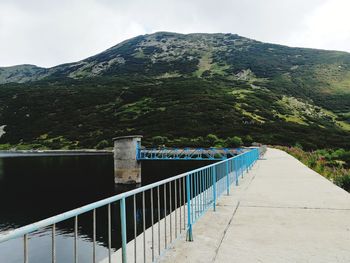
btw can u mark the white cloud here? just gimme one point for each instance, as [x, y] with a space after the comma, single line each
[60, 33]
[327, 27]
[48, 33]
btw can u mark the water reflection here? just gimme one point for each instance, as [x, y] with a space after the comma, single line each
[34, 188]
[1, 170]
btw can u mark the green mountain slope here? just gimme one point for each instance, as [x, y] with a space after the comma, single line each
[181, 86]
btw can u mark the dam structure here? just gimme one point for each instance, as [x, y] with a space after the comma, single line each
[281, 212]
[261, 205]
[128, 154]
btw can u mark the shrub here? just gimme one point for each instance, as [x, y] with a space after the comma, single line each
[159, 140]
[102, 144]
[248, 140]
[298, 145]
[233, 142]
[329, 163]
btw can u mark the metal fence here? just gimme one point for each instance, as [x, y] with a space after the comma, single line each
[216, 154]
[169, 209]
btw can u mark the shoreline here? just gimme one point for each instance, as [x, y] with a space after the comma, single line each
[25, 153]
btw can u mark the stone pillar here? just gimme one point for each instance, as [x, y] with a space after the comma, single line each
[127, 170]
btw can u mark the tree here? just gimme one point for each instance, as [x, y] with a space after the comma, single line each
[248, 140]
[211, 140]
[159, 140]
[102, 144]
[233, 142]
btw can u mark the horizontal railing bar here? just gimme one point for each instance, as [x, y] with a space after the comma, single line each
[180, 159]
[19, 232]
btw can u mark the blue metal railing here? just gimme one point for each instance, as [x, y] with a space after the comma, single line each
[215, 154]
[186, 198]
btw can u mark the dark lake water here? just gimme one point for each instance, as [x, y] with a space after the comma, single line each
[34, 188]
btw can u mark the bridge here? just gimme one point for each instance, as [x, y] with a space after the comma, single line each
[252, 207]
[177, 154]
[128, 154]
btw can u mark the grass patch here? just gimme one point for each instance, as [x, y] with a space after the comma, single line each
[334, 164]
[203, 65]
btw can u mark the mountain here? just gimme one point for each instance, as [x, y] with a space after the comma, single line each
[21, 73]
[182, 87]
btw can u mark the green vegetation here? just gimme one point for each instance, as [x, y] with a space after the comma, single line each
[177, 90]
[334, 164]
[210, 140]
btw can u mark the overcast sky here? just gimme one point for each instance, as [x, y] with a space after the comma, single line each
[51, 32]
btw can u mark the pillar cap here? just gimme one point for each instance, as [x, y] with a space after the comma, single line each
[127, 137]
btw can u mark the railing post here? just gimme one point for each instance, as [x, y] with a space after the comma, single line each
[235, 168]
[25, 246]
[137, 151]
[251, 160]
[227, 178]
[123, 228]
[243, 164]
[189, 221]
[214, 187]
[248, 158]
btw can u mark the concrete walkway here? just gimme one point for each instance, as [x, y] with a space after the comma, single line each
[281, 212]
